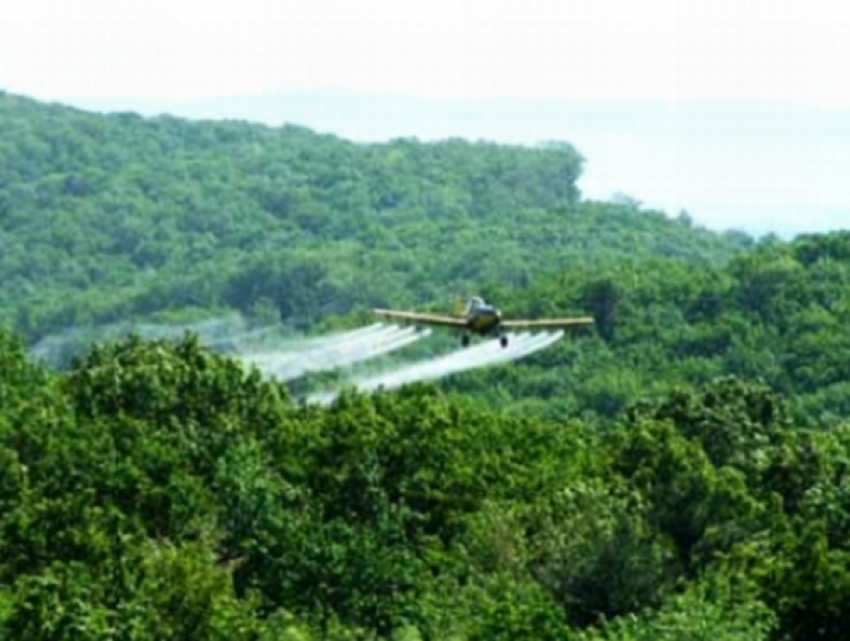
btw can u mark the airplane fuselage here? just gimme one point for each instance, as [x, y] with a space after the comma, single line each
[483, 319]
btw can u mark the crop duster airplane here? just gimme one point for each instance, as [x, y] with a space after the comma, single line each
[479, 318]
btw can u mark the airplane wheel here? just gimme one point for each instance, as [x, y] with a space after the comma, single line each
[503, 341]
[464, 340]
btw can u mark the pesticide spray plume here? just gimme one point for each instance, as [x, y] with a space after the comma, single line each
[328, 341]
[349, 353]
[396, 342]
[338, 351]
[293, 349]
[239, 342]
[290, 362]
[57, 350]
[482, 355]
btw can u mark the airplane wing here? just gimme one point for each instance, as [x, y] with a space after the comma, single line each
[548, 322]
[425, 319]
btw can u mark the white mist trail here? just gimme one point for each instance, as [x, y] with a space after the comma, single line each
[286, 357]
[293, 350]
[351, 353]
[534, 344]
[330, 340]
[352, 347]
[238, 342]
[482, 355]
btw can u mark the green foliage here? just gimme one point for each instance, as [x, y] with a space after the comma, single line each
[679, 471]
[594, 549]
[712, 610]
[504, 608]
[159, 592]
[157, 491]
[110, 218]
[775, 315]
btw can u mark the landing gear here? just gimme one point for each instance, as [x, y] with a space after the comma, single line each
[464, 340]
[503, 341]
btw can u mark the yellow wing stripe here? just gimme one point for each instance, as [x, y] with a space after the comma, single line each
[549, 322]
[426, 319]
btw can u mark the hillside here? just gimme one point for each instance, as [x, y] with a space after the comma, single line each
[112, 217]
[157, 492]
[678, 470]
[776, 314]
[118, 218]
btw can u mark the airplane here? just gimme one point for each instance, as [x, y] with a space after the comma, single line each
[479, 318]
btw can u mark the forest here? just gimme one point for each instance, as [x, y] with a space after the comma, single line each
[677, 472]
[108, 218]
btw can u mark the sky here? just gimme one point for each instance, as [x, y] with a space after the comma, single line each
[736, 110]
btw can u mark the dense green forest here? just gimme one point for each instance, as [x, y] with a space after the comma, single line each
[677, 472]
[161, 492]
[107, 218]
[777, 314]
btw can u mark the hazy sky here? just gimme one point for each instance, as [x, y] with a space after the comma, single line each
[737, 110]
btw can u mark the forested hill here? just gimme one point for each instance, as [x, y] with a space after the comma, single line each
[642, 483]
[108, 217]
[776, 314]
[159, 492]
